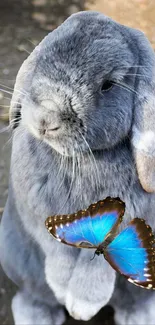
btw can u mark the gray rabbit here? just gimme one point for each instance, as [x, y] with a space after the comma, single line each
[83, 114]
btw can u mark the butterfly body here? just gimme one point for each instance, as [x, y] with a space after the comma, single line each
[131, 252]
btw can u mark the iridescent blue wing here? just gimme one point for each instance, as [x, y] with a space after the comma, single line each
[88, 228]
[132, 254]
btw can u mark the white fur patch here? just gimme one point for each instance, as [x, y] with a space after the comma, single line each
[144, 141]
[81, 309]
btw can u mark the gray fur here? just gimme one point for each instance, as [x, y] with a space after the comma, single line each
[59, 86]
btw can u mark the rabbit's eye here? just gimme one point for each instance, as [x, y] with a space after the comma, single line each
[107, 85]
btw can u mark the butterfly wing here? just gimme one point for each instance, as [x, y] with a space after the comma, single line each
[132, 254]
[87, 228]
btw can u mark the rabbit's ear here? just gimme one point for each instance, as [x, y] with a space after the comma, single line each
[143, 130]
[22, 84]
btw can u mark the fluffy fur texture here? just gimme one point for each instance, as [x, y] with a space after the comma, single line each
[81, 103]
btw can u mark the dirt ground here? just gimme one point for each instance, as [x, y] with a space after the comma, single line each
[23, 23]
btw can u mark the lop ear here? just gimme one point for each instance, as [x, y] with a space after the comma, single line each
[23, 81]
[143, 130]
[22, 84]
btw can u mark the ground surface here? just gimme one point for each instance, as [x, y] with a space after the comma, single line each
[23, 23]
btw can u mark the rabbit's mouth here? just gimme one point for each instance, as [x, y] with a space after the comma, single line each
[66, 134]
[71, 143]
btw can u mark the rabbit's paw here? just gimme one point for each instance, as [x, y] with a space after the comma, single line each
[27, 311]
[82, 309]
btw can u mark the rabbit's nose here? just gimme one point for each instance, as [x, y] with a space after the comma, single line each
[49, 128]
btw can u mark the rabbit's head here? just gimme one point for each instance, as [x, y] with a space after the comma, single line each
[89, 86]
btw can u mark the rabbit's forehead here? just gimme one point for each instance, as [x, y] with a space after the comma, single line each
[99, 57]
[86, 50]
[80, 54]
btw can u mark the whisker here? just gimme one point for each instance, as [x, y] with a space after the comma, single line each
[15, 119]
[6, 86]
[7, 143]
[5, 129]
[137, 74]
[124, 86]
[80, 160]
[71, 183]
[15, 123]
[96, 171]
[32, 42]
[24, 49]
[92, 173]
[11, 93]
[6, 91]
[134, 74]
[11, 101]
[4, 106]
[65, 160]
[61, 165]
[13, 89]
[134, 66]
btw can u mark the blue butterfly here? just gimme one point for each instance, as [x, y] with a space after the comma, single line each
[131, 252]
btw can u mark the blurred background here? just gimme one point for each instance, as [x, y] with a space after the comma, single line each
[23, 23]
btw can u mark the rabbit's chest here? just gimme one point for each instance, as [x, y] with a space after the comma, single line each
[52, 186]
[105, 176]
[110, 176]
